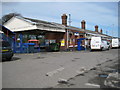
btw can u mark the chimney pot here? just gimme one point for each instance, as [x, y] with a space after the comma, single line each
[96, 28]
[83, 24]
[64, 19]
[101, 31]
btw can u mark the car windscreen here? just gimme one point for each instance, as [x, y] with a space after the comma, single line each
[5, 44]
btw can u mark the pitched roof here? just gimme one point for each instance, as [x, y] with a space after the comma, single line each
[62, 28]
[45, 23]
[33, 24]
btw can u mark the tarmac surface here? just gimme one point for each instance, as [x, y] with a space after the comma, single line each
[44, 70]
[91, 78]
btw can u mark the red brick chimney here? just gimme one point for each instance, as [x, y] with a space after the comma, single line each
[83, 24]
[96, 28]
[64, 19]
[101, 31]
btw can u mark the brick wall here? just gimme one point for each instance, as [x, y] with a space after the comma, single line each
[54, 36]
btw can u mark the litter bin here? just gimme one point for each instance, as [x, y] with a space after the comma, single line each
[31, 47]
[54, 47]
[79, 42]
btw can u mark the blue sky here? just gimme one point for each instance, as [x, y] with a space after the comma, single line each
[103, 14]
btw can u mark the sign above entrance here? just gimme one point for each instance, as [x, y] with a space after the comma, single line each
[76, 34]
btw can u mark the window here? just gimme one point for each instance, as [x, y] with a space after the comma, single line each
[108, 43]
[5, 44]
[52, 41]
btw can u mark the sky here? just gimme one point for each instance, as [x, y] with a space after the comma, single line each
[104, 14]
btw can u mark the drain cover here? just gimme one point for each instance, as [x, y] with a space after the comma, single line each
[40, 58]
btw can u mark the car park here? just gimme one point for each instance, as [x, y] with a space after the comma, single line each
[7, 52]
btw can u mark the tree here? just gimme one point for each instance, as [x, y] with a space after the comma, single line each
[1, 21]
[7, 17]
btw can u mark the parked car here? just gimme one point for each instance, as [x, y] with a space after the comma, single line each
[7, 52]
[98, 44]
[115, 43]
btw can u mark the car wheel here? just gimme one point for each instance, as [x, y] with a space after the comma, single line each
[101, 49]
[9, 59]
[91, 50]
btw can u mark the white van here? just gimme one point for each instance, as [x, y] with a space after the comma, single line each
[115, 43]
[98, 44]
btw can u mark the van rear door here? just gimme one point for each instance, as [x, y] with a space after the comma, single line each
[115, 43]
[96, 43]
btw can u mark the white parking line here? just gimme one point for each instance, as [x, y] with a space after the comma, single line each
[90, 84]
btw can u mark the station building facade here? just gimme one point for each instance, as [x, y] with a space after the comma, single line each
[66, 36]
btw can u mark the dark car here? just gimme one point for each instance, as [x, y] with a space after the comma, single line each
[7, 52]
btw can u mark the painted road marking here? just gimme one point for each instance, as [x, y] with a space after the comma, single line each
[90, 84]
[54, 72]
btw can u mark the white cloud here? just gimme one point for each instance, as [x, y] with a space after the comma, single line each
[92, 13]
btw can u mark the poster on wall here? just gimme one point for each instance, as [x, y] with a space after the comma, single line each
[47, 42]
[62, 42]
[76, 34]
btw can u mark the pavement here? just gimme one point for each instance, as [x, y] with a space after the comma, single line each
[44, 70]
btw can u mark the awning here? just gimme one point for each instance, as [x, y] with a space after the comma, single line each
[6, 31]
[33, 40]
[1, 31]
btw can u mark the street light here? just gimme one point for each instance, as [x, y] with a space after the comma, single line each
[106, 32]
[68, 31]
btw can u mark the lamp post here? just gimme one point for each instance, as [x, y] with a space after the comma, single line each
[106, 32]
[85, 43]
[67, 38]
[68, 31]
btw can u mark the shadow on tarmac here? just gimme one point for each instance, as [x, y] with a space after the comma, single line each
[13, 59]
